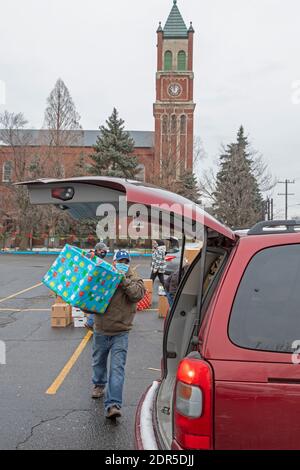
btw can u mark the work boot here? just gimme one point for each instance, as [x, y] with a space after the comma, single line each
[98, 392]
[113, 413]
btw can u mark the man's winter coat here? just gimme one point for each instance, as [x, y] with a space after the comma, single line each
[119, 316]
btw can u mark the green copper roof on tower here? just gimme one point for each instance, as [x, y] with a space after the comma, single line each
[175, 26]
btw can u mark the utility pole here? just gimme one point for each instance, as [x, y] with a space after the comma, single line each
[268, 209]
[286, 194]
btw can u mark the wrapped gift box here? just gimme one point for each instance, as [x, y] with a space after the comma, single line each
[82, 282]
[145, 303]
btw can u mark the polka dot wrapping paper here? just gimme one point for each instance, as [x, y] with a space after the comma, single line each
[82, 282]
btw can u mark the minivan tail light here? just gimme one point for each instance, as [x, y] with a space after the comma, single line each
[170, 258]
[189, 401]
[193, 405]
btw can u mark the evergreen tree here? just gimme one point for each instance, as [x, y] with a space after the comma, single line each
[188, 187]
[238, 201]
[113, 151]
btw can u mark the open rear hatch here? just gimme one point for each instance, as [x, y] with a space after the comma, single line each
[94, 197]
[86, 197]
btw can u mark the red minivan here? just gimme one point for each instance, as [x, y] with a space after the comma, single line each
[230, 368]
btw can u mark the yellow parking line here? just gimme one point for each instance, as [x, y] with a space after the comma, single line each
[52, 390]
[21, 292]
[36, 310]
[10, 310]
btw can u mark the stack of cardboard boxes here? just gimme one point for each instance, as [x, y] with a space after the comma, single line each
[61, 315]
[79, 318]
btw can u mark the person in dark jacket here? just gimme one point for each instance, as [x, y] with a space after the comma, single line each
[111, 332]
[172, 282]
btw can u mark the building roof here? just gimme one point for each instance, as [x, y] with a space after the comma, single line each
[36, 138]
[175, 26]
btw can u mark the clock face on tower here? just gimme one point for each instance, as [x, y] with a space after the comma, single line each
[174, 89]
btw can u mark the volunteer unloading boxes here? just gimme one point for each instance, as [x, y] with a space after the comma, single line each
[111, 333]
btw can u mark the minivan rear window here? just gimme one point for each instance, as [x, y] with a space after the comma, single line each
[266, 310]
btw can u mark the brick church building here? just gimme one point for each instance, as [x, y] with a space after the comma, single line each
[173, 114]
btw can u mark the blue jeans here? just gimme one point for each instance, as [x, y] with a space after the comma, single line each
[90, 321]
[170, 298]
[117, 346]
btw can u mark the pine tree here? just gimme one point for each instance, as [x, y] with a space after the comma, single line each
[238, 201]
[188, 187]
[113, 151]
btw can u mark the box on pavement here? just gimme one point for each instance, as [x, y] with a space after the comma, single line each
[77, 313]
[81, 281]
[191, 253]
[61, 311]
[148, 285]
[60, 322]
[163, 306]
[79, 322]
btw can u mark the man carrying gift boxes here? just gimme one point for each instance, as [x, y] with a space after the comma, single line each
[111, 332]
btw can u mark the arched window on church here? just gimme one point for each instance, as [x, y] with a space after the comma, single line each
[168, 60]
[181, 61]
[183, 124]
[165, 122]
[7, 172]
[174, 124]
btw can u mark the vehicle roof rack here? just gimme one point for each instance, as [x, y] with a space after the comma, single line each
[279, 226]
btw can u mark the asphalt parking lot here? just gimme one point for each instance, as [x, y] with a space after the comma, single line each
[36, 354]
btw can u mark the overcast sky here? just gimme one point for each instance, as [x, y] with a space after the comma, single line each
[247, 58]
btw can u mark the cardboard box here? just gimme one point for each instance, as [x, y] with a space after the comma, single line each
[149, 285]
[61, 311]
[77, 313]
[191, 254]
[60, 322]
[163, 306]
[79, 322]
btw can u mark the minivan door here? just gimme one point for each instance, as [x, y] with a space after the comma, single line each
[253, 347]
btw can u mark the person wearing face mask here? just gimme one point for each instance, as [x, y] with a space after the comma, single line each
[111, 332]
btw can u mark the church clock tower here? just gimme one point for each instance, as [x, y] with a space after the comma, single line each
[174, 106]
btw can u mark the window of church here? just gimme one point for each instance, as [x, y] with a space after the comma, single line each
[165, 123]
[183, 124]
[174, 124]
[7, 172]
[168, 60]
[181, 61]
